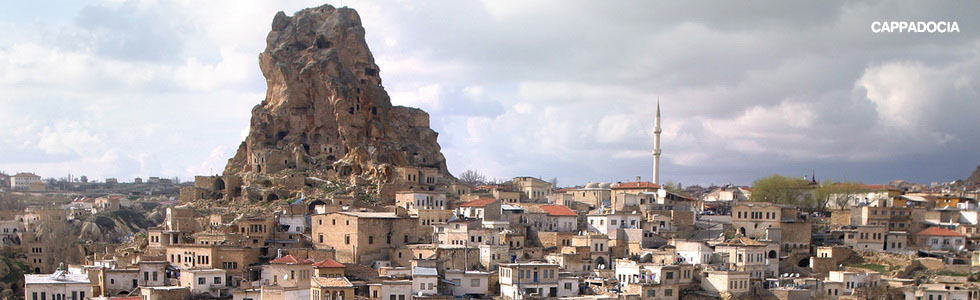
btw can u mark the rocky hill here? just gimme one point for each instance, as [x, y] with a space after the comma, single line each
[327, 115]
[973, 182]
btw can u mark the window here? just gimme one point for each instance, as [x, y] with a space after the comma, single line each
[370, 239]
[347, 239]
[201, 280]
[652, 293]
[217, 280]
[668, 292]
[568, 285]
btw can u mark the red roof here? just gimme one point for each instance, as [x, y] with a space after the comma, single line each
[329, 263]
[26, 175]
[558, 210]
[637, 185]
[939, 231]
[479, 202]
[290, 260]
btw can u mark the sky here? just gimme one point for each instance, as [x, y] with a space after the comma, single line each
[550, 89]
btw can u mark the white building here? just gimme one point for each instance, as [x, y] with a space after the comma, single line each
[606, 223]
[693, 252]
[295, 223]
[522, 280]
[843, 283]
[468, 282]
[60, 285]
[560, 218]
[205, 281]
[942, 291]
[23, 181]
[425, 281]
[391, 289]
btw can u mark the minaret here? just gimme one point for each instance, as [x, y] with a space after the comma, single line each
[656, 146]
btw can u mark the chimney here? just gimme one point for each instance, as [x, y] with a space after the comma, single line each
[637, 178]
[278, 253]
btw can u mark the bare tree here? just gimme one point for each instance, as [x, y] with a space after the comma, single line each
[472, 177]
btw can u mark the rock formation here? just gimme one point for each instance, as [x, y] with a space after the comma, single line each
[973, 181]
[327, 115]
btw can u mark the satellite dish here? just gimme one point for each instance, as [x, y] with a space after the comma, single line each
[285, 277]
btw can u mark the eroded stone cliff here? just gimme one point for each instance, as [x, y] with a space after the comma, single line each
[326, 113]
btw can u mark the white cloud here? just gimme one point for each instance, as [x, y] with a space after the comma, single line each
[747, 89]
[427, 97]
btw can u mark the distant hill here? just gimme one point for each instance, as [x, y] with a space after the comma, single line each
[974, 180]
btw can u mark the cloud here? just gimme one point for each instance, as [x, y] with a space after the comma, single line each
[141, 88]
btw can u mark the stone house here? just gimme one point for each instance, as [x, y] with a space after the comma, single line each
[60, 285]
[758, 259]
[693, 252]
[866, 237]
[414, 201]
[506, 196]
[328, 268]
[425, 281]
[205, 281]
[390, 289]
[290, 274]
[844, 283]
[938, 238]
[595, 248]
[233, 260]
[736, 283]
[560, 218]
[164, 293]
[483, 208]
[468, 283]
[364, 236]
[593, 195]
[652, 290]
[335, 288]
[518, 280]
[493, 255]
[532, 189]
[606, 223]
[751, 219]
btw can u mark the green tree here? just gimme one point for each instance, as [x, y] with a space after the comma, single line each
[782, 190]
